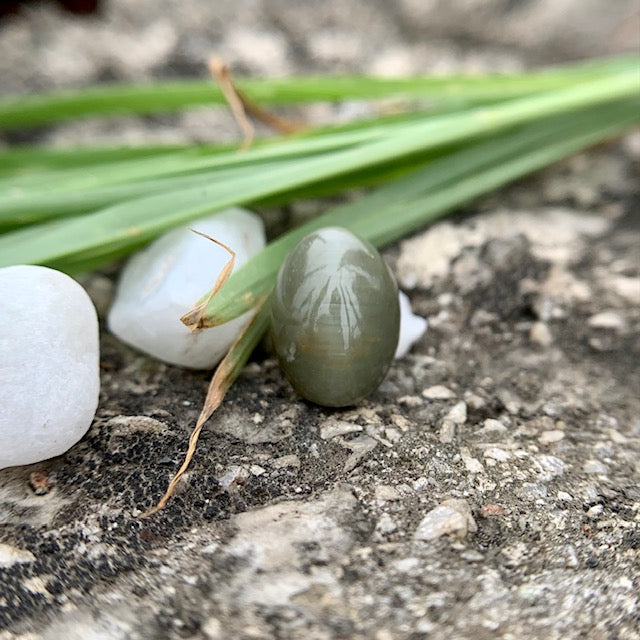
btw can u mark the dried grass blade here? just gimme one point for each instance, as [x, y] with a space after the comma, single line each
[193, 319]
[226, 373]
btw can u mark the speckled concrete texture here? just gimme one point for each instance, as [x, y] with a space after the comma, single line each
[489, 489]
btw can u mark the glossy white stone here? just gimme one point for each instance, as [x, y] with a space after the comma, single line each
[49, 364]
[412, 327]
[162, 282]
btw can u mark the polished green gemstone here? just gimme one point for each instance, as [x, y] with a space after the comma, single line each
[335, 317]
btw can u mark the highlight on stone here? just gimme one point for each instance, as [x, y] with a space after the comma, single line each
[163, 281]
[49, 364]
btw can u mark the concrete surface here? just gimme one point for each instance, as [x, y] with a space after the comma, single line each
[489, 489]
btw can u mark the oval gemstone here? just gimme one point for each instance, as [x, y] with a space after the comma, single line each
[335, 317]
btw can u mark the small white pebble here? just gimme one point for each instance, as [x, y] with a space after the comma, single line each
[386, 493]
[594, 466]
[405, 565]
[256, 470]
[606, 320]
[473, 465]
[595, 511]
[421, 483]
[474, 401]
[49, 364]
[458, 413]
[392, 435]
[400, 421]
[438, 392]
[410, 401]
[335, 428]
[540, 334]
[233, 475]
[412, 326]
[497, 454]
[449, 517]
[164, 281]
[386, 524]
[447, 432]
[550, 467]
[10, 555]
[286, 461]
[494, 426]
[549, 437]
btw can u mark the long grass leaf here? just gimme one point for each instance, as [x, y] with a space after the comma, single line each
[79, 190]
[408, 204]
[41, 161]
[140, 220]
[20, 111]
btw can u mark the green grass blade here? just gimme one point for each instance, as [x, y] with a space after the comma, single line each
[408, 204]
[74, 176]
[30, 159]
[21, 111]
[40, 196]
[262, 181]
[76, 243]
[36, 162]
[42, 207]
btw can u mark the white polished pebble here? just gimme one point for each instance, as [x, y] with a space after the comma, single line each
[49, 364]
[164, 281]
[412, 327]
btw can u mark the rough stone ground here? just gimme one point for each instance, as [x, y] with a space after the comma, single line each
[489, 489]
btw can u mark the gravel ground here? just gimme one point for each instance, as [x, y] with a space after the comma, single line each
[489, 489]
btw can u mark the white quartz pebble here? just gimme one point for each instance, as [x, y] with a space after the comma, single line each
[49, 364]
[162, 282]
[412, 327]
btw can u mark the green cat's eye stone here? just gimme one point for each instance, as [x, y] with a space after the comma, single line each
[335, 317]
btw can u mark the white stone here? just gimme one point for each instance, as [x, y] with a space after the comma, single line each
[497, 454]
[333, 428]
[473, 465]
[425, 258]
[551, 436]
[627, 287]
[438, 392]
[10, 555]
[447, 432]
[606, 320]
[540, 334]
[412, 327]
[386, 493]
[490, 425]
[49, 364]
[164, 281]
[594, 466]
[282, 462]
[458, 413]
[386, 524]
[449, 517]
